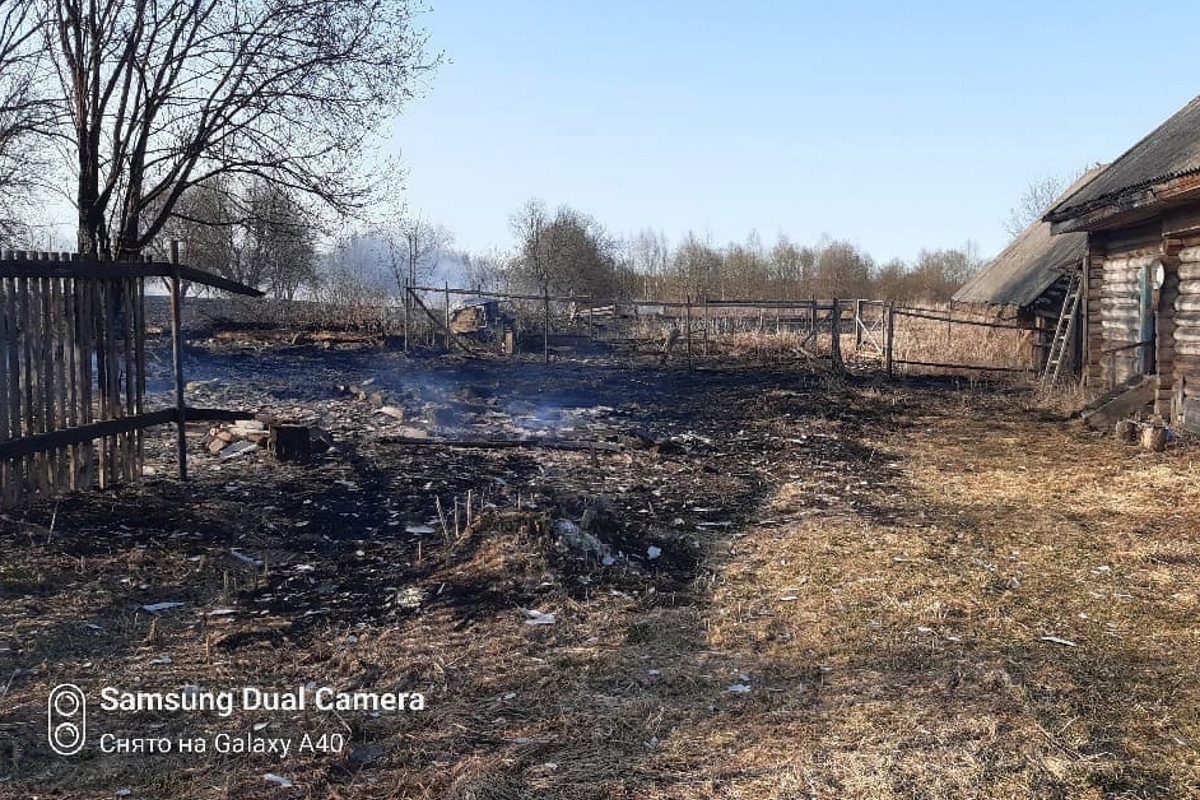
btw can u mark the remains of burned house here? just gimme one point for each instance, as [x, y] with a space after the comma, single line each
[1141, 217]
[478, 315]
[1031, 279]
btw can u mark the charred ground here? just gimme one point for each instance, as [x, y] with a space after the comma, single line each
[874, 564]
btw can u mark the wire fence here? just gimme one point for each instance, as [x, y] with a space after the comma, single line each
[896, 339]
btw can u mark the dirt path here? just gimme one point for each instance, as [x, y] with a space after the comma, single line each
[819, 591]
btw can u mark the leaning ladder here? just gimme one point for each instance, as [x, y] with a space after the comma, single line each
[1062, 331]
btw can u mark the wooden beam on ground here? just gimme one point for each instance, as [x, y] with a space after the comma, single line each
[1124, 403]
[504, 444]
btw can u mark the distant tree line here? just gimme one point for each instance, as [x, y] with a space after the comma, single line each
[568, 252]
[565, 252]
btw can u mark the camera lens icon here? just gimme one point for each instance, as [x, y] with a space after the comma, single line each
[66, 719]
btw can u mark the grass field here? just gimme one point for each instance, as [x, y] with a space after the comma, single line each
[867, 591]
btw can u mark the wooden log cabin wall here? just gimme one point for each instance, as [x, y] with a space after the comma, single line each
[1119, 274]
[1181, 353]
[1142, 278]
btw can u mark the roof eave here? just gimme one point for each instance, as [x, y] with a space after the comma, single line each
[1106, 212]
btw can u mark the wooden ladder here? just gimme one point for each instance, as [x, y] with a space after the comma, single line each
[1062, 330]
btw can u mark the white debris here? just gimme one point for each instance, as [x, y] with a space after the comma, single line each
[1058, 640]
[410, 597]
[279, 780]
[535, 617]
[421, 530]
[123, 792]
[237, 449]
[222, 612]
[653, 552]
[608, 561]
[161, 660]
[739, 688]
[154, 608]
[392, 411]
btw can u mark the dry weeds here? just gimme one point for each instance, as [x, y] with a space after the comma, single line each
[886, 610]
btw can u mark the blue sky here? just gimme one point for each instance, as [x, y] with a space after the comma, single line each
[898, 127]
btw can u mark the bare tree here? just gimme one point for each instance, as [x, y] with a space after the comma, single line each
[528, 225]
[415, 246]
[206, 220]
[487, 270]
[24, 112]
[842, 270]
[697, 268]
[567, 254]
[278, 246]
[791, 268]
[161, 95]
[1036, 200]
[649, 257]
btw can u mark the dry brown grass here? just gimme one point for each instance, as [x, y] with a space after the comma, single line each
[926, 620]
[931, 341]
[890, 631]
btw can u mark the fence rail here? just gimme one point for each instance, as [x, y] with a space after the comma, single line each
[73, 370]
[1011, 350]
[900, 337]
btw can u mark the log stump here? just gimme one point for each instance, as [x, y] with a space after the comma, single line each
[1126, 431]
[291, 443]
[1154, 439]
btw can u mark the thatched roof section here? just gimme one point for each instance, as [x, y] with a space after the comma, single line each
[1030, 264]
[1170, 152]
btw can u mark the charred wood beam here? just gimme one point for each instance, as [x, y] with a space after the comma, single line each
[502, 444]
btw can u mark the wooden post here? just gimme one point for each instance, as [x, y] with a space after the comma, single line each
[706, 325]
[889, 337]
[546, 323]
[688, 320]
[835, 337]
[446, 297]
[407, 314]
[177, 361]
[858, 325]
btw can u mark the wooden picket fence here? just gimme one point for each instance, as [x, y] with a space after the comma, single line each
[73, 370]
